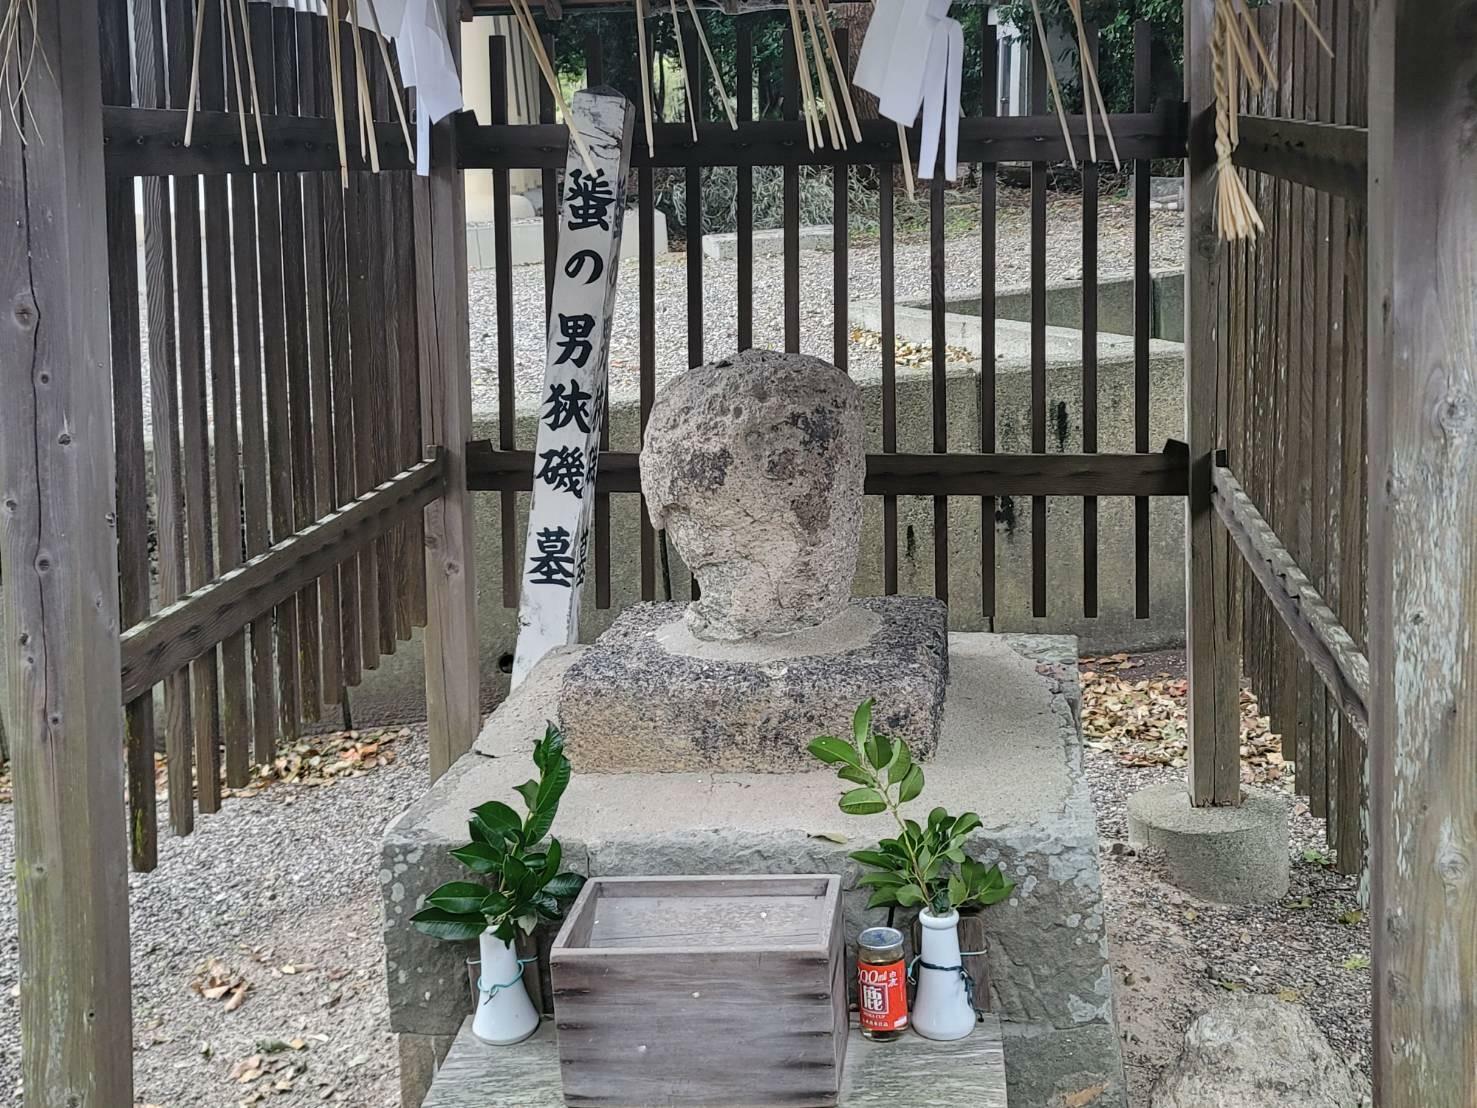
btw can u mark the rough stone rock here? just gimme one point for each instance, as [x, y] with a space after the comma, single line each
[754, 466]
[650, 696]
[1254, 1050]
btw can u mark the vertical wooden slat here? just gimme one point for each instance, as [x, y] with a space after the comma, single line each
[1214, 741]
[195, 411]
[315, 95]
[342, 486]
[364, 335]
[791, 204]
[383, 354]
[1423, 550]
[744, 30]
[887, 275]
[395, 567]
[1039, 105]
[128, 439]
[62, 695]
[507, 411]
[453, 673]
[989, 233]
[235, 708]
[150, 45]
[1143, 304]
[299, 355]
[274, 359]
[244, 240]
[938, 307]
[1089, 367]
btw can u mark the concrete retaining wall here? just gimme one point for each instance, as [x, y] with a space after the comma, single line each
[394, 691]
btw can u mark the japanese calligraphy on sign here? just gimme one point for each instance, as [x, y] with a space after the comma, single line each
[573, 406]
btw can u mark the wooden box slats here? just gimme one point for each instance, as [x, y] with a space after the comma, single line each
[702, 991]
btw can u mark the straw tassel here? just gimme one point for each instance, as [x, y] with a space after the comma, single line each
[645, 74]
[536, 44]
[1056, 91]
[686, 73]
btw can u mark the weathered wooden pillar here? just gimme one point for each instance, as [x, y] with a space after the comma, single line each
[453, 686]
[59, 567]
[1422, 411]
[1210, 649]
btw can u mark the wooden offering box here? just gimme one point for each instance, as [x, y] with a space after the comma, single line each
[702, 991]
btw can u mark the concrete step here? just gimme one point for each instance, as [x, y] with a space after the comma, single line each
[912, 1071]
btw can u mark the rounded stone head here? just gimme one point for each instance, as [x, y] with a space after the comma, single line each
[754, 466]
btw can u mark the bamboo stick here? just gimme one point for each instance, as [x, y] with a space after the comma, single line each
[336, 70]
[397, 90]
[1261, 47]
[902, 142]
[368, 142]
[1312, 23]
[194, 72]
[1090, 82]
[1056, 91]
[236, 76]
[530, 30]
[802, 63]
[833, 113]
[713, 64]
[686, 73]
[645, 74]
[256, 102]
[841, 75]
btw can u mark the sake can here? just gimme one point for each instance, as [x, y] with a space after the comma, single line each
[882, 983]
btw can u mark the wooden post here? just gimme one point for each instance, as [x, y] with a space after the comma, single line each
[1422, 410]
[453, 672]
[58, 562]
[1210, 649]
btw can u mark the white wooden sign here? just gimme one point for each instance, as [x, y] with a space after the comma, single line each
[575, 378]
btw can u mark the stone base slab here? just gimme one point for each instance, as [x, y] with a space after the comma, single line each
[650, 697]
[1009, 749]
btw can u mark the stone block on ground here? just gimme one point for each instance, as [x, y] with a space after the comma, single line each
[724, 244]
[1255, 1050]
[1009, 749]
[650, 696]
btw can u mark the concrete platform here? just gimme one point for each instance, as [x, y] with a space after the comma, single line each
[910, 1073]
[1010, 749]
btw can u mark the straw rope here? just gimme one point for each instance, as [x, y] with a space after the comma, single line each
[17, 60]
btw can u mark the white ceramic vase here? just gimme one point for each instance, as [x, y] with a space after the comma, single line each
[941, 1010]
[504, 1013]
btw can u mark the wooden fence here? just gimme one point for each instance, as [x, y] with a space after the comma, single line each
[1290, 481]
[952, 469]
[267, 394]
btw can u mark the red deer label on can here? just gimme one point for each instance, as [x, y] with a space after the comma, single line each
[882, 996]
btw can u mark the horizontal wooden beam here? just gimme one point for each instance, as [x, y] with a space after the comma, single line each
[174, 636]
[1327, 156]
[150, 142]
[490, 470]
[1025, 138]
[1321, 637]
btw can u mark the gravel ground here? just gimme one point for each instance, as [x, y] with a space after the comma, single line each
[282, 889]
[720, 287]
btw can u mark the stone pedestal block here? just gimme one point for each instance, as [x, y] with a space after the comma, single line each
[650, 696]
[1223, 855]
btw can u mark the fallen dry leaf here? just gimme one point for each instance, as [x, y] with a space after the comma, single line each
[1142, 723]
[1083, 1097]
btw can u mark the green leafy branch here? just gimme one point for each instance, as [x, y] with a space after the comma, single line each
[923, 865]
[524, 882]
